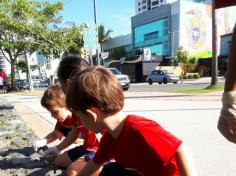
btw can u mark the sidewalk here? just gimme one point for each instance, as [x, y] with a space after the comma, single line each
[39, 125]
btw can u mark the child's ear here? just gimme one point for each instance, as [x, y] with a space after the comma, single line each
[91, 114]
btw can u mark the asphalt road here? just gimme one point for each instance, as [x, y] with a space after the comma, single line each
[187, 84]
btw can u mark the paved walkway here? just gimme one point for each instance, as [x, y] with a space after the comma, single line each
[38, 124]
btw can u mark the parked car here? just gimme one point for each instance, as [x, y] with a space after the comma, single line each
[123, 79]
[162, 76]
[22, 85]
[43, 84]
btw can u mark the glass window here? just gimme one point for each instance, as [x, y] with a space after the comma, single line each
[155, 2]
[152, 35]
[165, 22]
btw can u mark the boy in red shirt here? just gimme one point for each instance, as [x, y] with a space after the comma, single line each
[67, 68]
[86, 144]
[138, 145]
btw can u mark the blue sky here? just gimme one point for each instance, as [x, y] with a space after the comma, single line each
[114, 14]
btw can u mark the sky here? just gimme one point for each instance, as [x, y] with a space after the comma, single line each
[113, 14]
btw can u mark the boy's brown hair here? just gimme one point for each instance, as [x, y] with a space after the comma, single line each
[95, 87]
[53, 96]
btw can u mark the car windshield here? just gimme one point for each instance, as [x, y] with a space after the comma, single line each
[115, 71]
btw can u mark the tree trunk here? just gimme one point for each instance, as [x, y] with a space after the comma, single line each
[214, 66]
[13, 61]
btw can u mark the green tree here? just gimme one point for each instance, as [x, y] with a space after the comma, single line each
[26, 26]
[186, 62]
[73, 39]
[103, 35]
[118, 53]
[21, 65]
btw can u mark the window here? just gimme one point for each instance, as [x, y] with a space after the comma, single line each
[144, 1]
[144, 7]
[155, 3]
[151, 35]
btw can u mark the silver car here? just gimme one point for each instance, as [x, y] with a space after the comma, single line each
[162, 76]
[123, 79]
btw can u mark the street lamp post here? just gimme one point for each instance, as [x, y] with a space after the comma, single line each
[95, 21]
[172, 44]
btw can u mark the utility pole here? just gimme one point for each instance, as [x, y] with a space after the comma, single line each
[214, 66]
[95, 21]
[29, 73]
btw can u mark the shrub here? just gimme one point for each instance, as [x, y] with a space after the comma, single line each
[196, 76]
[190, 76]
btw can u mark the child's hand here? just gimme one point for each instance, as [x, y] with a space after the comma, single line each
[39, 143]
[53, 151]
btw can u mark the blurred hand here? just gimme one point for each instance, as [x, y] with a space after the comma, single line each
[39, 143]
[52, 151]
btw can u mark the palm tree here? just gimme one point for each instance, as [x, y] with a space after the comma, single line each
[103, 35]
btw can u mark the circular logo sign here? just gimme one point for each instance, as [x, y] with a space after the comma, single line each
[196, 32]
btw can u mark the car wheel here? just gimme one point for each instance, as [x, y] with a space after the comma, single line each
[175, 82]
[150, 82]
[165, 81]
[159, 82]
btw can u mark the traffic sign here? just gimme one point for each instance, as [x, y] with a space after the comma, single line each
[104, 55]
[90, 36]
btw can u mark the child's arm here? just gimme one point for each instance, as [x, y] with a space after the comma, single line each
[230, 82]
[70, 139]
[227, 120]
[42, 142]
[185, 161]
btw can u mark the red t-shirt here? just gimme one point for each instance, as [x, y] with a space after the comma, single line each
[90, 140]
[3, 75]
[142, 145]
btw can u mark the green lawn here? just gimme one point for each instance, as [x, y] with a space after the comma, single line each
[27, 92]
[204, 90]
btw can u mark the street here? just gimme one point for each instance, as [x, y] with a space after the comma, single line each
[192, 118]
[187, 84]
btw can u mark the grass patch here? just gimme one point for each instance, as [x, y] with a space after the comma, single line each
[27, 92]
[204, 90]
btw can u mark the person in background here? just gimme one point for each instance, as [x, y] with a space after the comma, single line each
[227, 120]
[138, 145]
[3, 81]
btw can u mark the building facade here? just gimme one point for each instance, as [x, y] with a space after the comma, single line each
[165, 28]
[147, 5]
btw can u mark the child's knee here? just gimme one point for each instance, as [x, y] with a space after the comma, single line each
[71, 170]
